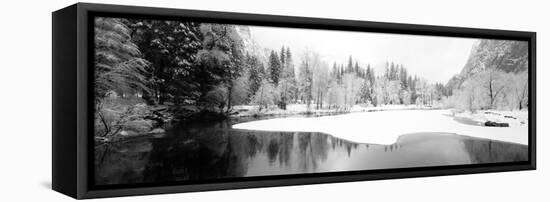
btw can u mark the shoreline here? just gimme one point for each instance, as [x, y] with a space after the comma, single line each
[299, 109]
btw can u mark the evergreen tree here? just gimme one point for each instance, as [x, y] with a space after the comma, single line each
[282, 57]
[356, 69]
[392, 72]
[387, 70]
[403, 76]
[172, 48]
[287, 81]
[349, 67]
[293, 88]
[256, 72]
[274, 68]
[221, 61]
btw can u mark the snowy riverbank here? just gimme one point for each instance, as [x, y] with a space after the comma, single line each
[384, 127]
[296, 109]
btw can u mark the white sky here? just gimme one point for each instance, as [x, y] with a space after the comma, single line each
[434, 58]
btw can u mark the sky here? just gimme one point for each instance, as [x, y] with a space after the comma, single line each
[436, 59]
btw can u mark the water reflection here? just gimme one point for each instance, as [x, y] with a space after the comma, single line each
[202, 151]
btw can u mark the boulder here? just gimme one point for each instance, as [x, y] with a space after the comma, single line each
[138, 126]
[156, 131]
[496, 124]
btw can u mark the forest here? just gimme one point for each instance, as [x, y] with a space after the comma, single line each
[152, 72]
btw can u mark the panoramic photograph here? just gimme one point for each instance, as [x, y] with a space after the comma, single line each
[185, 101]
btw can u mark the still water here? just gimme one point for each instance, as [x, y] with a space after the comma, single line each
[196, 151]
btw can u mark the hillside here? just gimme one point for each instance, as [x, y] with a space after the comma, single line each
[507, 56]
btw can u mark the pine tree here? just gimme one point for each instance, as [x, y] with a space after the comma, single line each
[392, 72]
[274, 68]
[403, 75]
[286, 81]
[349, 67]
[255, 76]
[221, 61]
[282, 57]
[291, 75]
[289, 64]
[172, 48]
[356, 69]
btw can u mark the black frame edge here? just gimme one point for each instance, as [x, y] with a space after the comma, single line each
[64, 145]
[533, 99]
[309, 22]
[298, 181]
[78, 185]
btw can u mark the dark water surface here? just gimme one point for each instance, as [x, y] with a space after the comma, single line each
[215, 150]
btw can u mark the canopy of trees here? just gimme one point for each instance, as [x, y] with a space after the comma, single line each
[208, 66]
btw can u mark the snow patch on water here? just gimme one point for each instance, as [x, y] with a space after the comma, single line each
[384, 127]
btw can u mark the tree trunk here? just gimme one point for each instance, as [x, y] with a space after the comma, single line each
[161, 97]
[229, 94]
[321, 100]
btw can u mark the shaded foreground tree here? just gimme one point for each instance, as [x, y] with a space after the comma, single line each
[220, 62]
[119, 70]
[118, 63]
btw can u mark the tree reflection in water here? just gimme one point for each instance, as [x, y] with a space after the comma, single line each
[196, 153]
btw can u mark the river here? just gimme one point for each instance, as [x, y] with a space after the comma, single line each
[199, 151]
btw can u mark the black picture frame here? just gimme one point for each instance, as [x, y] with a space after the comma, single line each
[72, 99]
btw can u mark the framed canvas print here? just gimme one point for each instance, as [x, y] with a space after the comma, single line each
[155, 100]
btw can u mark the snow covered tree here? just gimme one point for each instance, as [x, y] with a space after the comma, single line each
[494, 82]
[320, 83]
[220, 58]
[291, 75]
[335, 95]
[520, 89]
[171, 47]
[287, 80]
[265, 96]
[118, 63]
[470, 97]
[349, 66]
[241, 88]
[423, 90]
[393, 89]
[255, 73]
[274, 68]
[380, 91]
[351, 84]
[406, 97]
[282, 57]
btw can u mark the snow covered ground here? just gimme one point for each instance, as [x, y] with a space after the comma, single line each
[250, 110]
[384, 127]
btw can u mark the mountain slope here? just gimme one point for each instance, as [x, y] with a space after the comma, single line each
[507, 56]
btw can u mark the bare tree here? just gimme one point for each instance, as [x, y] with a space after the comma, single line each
[320, 83]
[520, 87]
[493, 81]
[310, 62]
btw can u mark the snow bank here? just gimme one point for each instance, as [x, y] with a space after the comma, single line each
[384, 127]
[293, 109]
[514, 118]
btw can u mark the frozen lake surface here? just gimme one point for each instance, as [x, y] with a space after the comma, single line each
[384, 127]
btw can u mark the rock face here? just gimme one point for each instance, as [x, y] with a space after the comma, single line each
[251, 46]
[507, 56]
